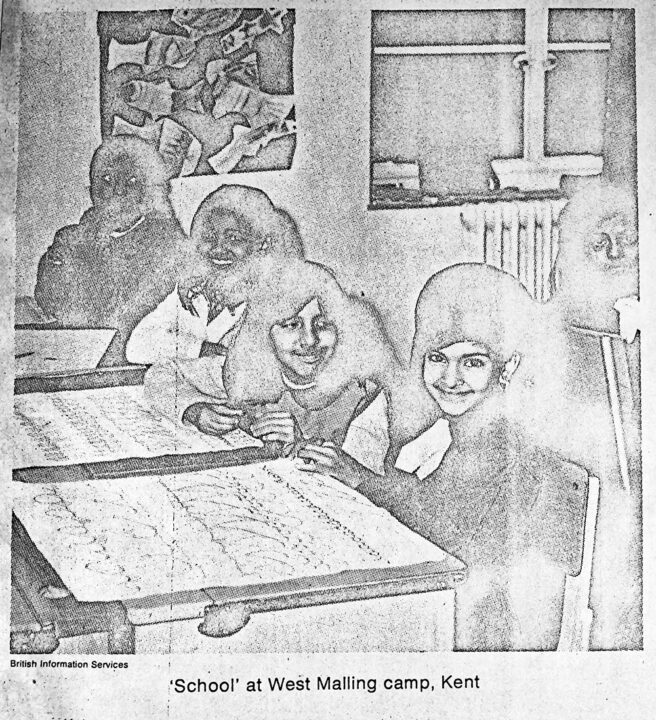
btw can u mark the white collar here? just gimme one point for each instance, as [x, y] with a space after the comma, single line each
[294, 386]
[119, 233]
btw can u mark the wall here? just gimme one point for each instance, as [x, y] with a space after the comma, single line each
[58, 129]
[385, 254]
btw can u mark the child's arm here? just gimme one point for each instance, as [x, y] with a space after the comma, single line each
[169, 331]
[361, 457]
[328, 459]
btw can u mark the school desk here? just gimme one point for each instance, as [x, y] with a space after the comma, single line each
[393, 608]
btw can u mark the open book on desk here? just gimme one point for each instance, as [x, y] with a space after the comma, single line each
[247, 527]
[99, 428]
[260, 536]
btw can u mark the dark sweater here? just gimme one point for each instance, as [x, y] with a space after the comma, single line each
[89, 279]
[494, 501]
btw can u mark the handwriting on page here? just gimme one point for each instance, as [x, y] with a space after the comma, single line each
[121, 539]
[105, 424]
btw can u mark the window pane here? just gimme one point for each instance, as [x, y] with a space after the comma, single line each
[575, 103]
[579, 25]
[441, 27]
[395, 109]
[452, 114]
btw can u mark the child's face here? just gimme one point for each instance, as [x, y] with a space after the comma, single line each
[305, 342]
[118, 190]
[612, 245]
[226, 238]
[459, 376]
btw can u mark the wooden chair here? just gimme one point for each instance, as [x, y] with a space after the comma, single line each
[577, 614]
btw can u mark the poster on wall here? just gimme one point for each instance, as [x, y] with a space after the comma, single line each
[212, 89]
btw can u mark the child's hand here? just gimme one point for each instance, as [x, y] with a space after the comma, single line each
[211, 418]
[189, 289]
[275, 425]
[328, 459]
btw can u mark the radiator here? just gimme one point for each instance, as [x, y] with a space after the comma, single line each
[520, 238]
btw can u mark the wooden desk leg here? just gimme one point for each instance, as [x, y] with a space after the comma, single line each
[24, 642]
[120, 639]
[120, 632]
[614, 398]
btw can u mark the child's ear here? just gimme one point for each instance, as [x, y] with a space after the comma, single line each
[509, 369]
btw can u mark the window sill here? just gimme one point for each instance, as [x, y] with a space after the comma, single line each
[545, 173]
[400, 199]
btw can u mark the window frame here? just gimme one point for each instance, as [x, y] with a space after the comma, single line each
[534, 175]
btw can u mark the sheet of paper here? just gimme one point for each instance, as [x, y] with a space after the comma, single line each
[134, 537]
[164, 50]
[47, 351]
[120, 53]
[150, 131]
[79, 426]
[259, 107]
[179, 147]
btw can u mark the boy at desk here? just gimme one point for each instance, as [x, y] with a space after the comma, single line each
[231, 224]
[474, 484]
[119, 261]
[306, 358]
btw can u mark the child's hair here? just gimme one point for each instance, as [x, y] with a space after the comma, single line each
[266, 221]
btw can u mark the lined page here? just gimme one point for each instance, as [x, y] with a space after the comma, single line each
[130, 538]
[63, 428]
